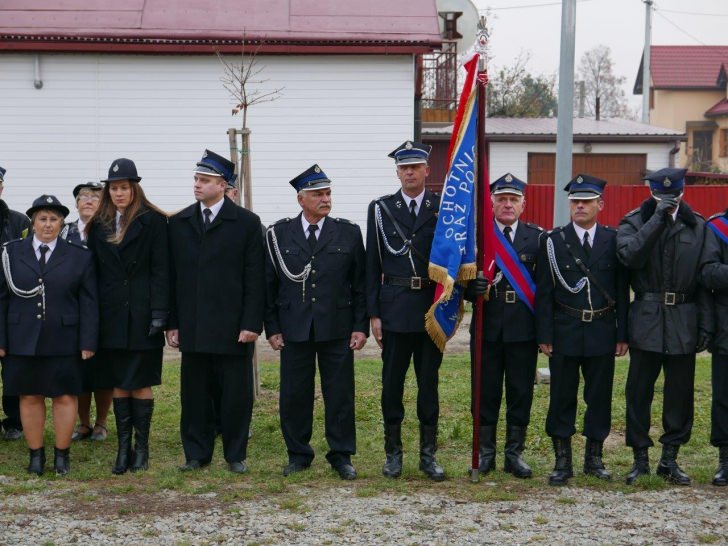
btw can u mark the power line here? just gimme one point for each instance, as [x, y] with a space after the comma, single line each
[680, 29]
[529, 6]
[695, 13]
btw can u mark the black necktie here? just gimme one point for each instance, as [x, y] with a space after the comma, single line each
[43, 249]
[585, 244]
[507, 232]
[312, 236]
[206, 222]
[413, 214]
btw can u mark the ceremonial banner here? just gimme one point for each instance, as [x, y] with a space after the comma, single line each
[452, 258]
[720, 227]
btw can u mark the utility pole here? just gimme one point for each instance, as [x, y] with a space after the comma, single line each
[565, 127]
[646, 63]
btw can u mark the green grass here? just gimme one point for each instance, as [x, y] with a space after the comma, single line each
[91, 461]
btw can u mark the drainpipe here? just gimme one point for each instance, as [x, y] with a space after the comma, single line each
[37, 79]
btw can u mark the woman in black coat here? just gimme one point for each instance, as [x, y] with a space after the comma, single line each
[128, 239]
[48, 323]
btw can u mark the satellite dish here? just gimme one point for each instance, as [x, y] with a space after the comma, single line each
[467, 23]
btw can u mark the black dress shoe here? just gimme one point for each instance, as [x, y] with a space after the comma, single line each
[37, 461]
[193, 464]
[238, 467]
[12, 434]
[292, 468]
[346, 471]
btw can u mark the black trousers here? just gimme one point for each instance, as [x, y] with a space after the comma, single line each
[719, 407]
[514, 362]
[233, 375]
[11, 408]
[298, 373]
[678, 397]
[598, 374]
[398, 350]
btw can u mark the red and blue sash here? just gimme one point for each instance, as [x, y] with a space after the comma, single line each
[720, 227]
[514, 270]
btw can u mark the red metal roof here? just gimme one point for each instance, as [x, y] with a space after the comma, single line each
[718, 109]
[280, 26]
[684, 67]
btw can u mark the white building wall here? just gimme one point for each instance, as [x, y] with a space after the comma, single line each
[513, 156]
[345, 113]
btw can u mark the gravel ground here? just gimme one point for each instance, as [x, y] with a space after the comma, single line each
[341, 516]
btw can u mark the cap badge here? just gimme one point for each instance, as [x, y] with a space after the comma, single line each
[317, 169]
[667, 183]
[408, 145]
[579, 180]
[509, 178]
[115, 168]
[49, 199]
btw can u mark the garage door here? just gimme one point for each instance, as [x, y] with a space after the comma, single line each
[617, 169]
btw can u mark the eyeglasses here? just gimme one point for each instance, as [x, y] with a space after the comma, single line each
[85, 198]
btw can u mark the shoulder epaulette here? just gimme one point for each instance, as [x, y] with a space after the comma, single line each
[343, 221]
[11, 242]
[76, 245]
[534, 226]
[696, 213]
[383, 197]
[282, 221]
[610, 228]
[633, 211]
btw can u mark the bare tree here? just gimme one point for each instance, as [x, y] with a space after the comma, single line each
[596, 71]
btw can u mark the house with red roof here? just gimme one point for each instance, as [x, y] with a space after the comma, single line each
[689, 92]
[83, 83]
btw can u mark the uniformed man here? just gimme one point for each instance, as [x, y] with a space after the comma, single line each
[509, 334]
[582, 298]
[316, 309]
[714, 276]
[400, 228]
[218, 267]
[13, 225]
[670, 318]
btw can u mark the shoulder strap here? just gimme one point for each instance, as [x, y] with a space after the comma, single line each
[586, 272]
[407, 242]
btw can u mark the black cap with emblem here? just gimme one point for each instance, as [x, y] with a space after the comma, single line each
[123, 169]
[49, 202]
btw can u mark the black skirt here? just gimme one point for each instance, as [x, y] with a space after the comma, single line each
[48, 376]
[128, 370]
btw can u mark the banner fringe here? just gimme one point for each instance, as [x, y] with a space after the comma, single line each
[433, 327]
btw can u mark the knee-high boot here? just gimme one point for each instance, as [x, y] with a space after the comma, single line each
[141, 417]
[122, 414]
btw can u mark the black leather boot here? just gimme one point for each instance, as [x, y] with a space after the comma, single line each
[428, 448]
[141, 418]
[721, 476]
[668, 468]
[393, 448]
[62, 461]
[37, 461]
[486, 461]
[563, 469]
[593, 464]
[515, 443]
[641, 466]
[122, 414]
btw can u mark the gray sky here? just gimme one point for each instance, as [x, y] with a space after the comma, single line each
[619, 24]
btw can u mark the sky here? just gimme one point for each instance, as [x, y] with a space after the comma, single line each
[534, 27]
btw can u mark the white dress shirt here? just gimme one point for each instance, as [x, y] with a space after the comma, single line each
[51, 248]
[418, 201]
[306, 223]
[580, 233]
[214, 209]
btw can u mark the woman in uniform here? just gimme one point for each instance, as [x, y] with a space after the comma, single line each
[48, 323]
[128, 239]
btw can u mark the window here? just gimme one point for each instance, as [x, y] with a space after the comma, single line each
[723, 149]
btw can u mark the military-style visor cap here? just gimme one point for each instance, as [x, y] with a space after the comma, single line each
[585, 186]
[96, 186]
[508, 184]
[213, 164]
[47, 202]
[312, 178]
[668, 181]
[122, 169]
[2, 174]
[411, 153]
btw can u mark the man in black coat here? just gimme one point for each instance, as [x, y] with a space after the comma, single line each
[400, 228]
[218, 283]
[316, 309]
[509, 334]
[582, 298]
[714, 276]
[670, 318]
[13, 225]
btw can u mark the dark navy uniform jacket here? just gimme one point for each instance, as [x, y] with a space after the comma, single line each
[513, 321]
[714, 276]
[71, 304]
[335, 300]
[400, 308]
[569, 335]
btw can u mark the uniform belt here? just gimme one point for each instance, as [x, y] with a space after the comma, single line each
[668, 298]
[508, 296]
[586, 315]
[415, 283]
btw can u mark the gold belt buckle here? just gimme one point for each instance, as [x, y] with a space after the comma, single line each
[587, 315]
[510, 296]
[670, 298]
[416, 283]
